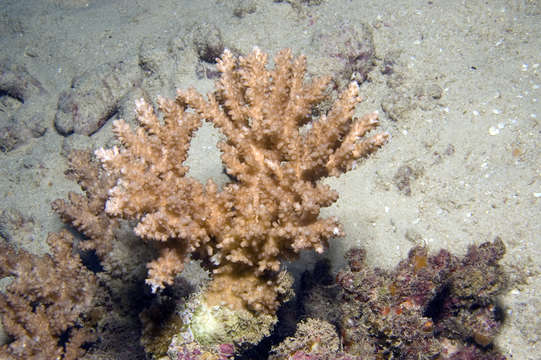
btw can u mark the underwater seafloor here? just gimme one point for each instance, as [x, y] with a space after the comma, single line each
[456, 84]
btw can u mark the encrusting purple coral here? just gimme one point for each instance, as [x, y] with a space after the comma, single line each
[430, 307]
[193, 351]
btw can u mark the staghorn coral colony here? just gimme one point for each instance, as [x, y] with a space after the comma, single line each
[276, 149]
[269, 211]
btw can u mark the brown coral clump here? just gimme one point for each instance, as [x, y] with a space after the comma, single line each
[276, 153]
[42, 307]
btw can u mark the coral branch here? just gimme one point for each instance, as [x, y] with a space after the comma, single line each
[86, 212]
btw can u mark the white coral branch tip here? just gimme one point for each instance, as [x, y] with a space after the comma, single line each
[107, 155]
[140, 104]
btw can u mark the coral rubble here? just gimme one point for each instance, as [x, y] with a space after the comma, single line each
[275, 152]
[430, 307]
[314, 340]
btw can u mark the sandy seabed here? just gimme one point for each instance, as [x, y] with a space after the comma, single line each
[457, 85]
